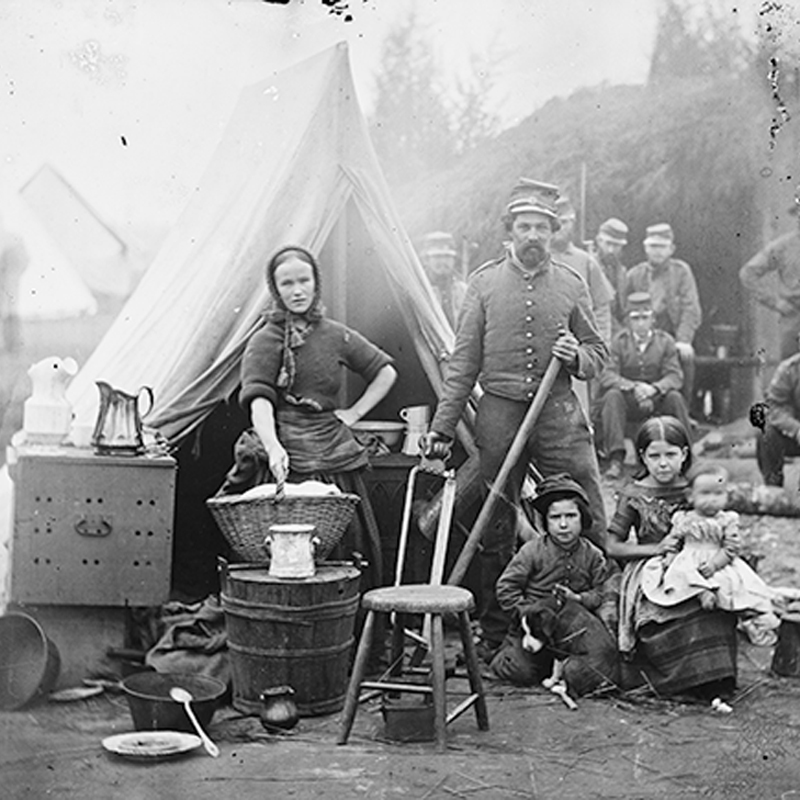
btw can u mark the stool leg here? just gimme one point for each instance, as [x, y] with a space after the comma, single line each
[474, 671]
[354, 687]
[397, 648]
[438, 678]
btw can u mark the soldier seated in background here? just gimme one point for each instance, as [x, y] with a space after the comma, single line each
[642, 379]
[676, 303]
[779, 419]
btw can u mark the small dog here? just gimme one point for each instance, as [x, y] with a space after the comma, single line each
[584, 652]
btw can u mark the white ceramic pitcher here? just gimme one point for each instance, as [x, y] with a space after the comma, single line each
[416, 419]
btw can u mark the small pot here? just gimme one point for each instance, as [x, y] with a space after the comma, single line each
[152, 709]
[278, 709]
[291, 549]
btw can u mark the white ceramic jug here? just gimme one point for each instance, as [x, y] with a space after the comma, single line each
[47, 414]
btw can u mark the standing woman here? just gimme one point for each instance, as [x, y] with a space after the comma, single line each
[680, 648]
[292, 374]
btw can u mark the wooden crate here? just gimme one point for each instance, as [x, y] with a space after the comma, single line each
[91, 530]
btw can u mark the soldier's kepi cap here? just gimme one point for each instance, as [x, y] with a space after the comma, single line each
[564, 208]
[439, 243]
[659, 234]
[614, 230]
[535, 196]
[638, 301]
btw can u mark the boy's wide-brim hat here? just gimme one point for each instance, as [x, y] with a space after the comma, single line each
[615, 230]
[534, 196]
[638, 301]
[558, 486]
[439, 243]
[659, 234]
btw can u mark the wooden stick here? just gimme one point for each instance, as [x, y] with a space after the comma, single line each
[512, 456]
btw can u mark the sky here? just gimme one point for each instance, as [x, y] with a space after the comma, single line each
[128, 98]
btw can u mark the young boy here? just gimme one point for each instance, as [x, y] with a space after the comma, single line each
[560, 562]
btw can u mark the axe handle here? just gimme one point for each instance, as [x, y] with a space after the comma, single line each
[512, 456]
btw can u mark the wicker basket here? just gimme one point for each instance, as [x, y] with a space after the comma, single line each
[245, 522]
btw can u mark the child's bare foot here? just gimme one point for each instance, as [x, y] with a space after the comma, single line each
[708, 600]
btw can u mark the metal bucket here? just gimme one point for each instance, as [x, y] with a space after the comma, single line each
[29, 661]
[290, 631]
[408, 718]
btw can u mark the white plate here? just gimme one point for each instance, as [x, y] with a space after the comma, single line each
[147, 745]
[74, 693]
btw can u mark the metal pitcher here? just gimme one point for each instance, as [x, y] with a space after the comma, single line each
[118, 430]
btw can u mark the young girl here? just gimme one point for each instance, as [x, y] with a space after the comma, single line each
[704, 560]
[681, 647]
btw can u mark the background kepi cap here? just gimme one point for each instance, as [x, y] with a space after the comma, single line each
[659, 234]
[614, 230]
[638, 301]
[529, 195]
[439, 243]
[564, 208]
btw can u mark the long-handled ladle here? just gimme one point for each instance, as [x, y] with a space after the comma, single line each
[182, 696]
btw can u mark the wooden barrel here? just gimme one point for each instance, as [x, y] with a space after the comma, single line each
[290, 631]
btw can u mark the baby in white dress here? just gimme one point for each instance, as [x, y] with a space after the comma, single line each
[704, 558]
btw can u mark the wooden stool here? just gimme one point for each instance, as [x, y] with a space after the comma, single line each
[418, 599]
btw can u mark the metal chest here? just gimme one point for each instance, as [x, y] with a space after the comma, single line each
[91, 530]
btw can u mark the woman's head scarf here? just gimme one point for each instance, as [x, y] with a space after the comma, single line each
[296, 327]
[315, 310]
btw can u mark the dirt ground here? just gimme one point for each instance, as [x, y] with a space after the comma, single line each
[613, 747]
[616, 746]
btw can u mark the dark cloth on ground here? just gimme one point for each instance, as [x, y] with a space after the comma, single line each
[193, 641]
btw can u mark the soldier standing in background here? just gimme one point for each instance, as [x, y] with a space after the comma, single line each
[611, 237]
[440, 259]
[780, 259]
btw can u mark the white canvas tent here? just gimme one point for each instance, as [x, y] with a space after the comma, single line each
[295, 165]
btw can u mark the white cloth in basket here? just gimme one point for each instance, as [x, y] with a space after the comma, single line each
[303, 489]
